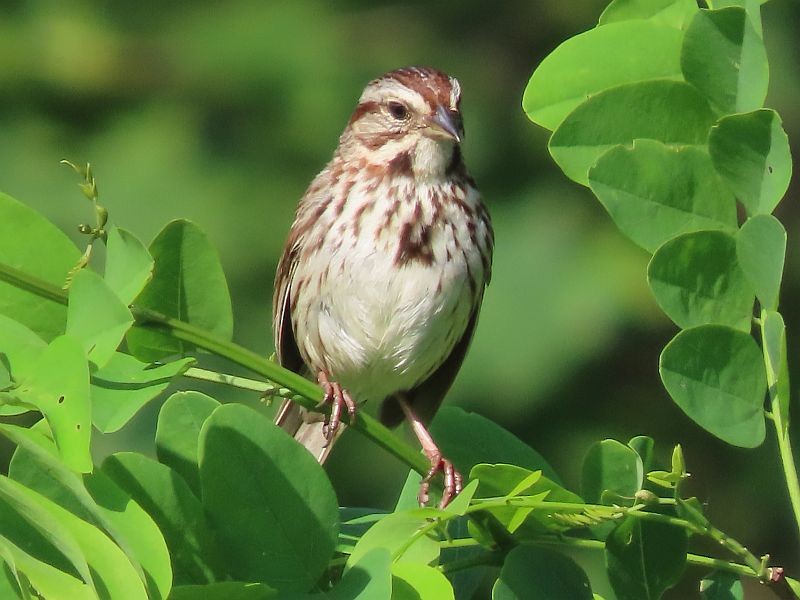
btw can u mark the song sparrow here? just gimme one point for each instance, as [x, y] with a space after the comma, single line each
[381, 280]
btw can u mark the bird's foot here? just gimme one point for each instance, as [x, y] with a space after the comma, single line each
[452, 479]
[339, 399]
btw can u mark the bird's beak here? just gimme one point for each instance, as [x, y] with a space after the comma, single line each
[447, 124]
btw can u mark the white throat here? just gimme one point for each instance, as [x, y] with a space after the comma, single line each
[430, 158]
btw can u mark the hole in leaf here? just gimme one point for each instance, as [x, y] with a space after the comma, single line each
[78, 426]
[769, 168]
[60, 399]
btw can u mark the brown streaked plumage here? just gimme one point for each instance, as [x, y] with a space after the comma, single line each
[379, 287]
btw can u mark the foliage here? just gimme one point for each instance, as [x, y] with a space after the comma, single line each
[659, 111]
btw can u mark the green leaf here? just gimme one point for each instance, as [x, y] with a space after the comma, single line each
[534, 573]
[721, 586]
[96, 316]
[724, 57]
[26, 524]
[774, 340]
[696, 280]
[59, 387]
[19, 350]
[507, 481]
[411, 581]
[751, 153]
[47, 580]
[96, 500]
[270, 502]
[611, 466]
[370, 577]
[396, 533]
[645, 558]
[178, 431]
[599, 59]
[655, 192]
[129, 265]
[224, 590]
[188, 284]
[124, 385]
[760, 250]
[715, 374]
[178, 513]
[672, 112]
[489, 443]
[643, 446]
[675, 13]
[32, 244]
[753, 8]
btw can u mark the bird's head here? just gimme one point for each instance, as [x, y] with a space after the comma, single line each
[409, 118]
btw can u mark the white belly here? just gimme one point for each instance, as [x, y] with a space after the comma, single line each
[379, 328]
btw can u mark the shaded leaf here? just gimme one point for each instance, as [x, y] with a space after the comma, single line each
[655, 192]
[715, 374]
[534, 573]
[751, 153]
[610, 466]
[672, 112]
[178, 431]
[724, 57]
[644, 558]
[168, 500]
[124, 385]
[696, 280]
[224, 590]
[773, 332]
[596, 60]
[721, 585]
[760, 251]
[266, 497]
[643, 446]
[489, 443]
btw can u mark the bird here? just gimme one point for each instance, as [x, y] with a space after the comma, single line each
[380, 283]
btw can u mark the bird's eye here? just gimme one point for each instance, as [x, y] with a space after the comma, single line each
[398, 110]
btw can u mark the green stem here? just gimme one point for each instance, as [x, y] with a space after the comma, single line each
[243, 383]
[308, 393]
[776, 373]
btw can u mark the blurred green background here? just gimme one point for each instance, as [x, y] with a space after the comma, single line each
[222, 113]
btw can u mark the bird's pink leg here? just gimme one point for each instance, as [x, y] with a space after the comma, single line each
[452, 478]
[338, 398]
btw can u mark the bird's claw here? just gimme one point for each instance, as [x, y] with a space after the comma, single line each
[452, 481]
[339, 399]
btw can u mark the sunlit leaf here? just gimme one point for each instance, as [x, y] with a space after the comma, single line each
[96, 316]
[599, 59]
[189, 284]
[129, 265]
[676, 13]
[610, 466]
[672, 112]
[724, 57]
[655, 192]
[32, 244]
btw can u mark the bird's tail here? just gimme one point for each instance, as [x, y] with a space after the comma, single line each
[307, 428]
